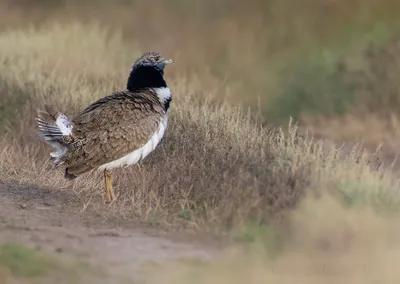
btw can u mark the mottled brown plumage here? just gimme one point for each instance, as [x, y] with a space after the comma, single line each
[111, 128]
[117, 130]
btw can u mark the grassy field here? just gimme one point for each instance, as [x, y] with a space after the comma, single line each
[221, 168]
[331, 63]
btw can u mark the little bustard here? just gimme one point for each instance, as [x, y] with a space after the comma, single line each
[115, 131]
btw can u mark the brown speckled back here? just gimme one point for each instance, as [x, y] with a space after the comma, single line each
[112, 127]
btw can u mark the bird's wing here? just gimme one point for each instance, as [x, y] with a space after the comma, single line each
[112, 127]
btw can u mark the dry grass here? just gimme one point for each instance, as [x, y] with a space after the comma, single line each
[235, 46]
[217, 165]
[326, 243]
[275, 56]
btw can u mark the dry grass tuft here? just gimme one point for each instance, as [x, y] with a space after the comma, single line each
[216, 165]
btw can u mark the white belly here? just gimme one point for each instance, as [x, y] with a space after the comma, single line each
[139, 154]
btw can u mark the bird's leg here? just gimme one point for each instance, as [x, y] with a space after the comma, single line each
[110, 196]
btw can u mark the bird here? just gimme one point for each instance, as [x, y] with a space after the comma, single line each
[115, 131]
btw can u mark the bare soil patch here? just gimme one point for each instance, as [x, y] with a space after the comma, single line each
[54, 220]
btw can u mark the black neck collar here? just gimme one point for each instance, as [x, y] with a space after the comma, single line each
[146, 77]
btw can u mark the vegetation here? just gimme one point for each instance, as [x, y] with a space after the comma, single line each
[281, 58]
[22, 264]
[331, 66]
[326, 243]
[223, 167]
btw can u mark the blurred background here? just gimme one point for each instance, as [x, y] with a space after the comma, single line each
[333, 65]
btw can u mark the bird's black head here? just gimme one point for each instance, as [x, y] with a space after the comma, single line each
[148, 71]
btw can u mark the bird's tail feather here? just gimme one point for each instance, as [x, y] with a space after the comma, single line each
[55, 128]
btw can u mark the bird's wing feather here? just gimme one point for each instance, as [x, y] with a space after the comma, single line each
[112, 127]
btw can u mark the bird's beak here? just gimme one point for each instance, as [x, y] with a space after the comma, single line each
[168, 61]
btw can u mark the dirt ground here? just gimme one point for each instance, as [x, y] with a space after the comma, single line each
[55, 221]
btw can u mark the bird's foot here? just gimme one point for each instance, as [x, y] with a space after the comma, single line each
[110, 197]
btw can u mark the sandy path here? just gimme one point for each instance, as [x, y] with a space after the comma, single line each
[53, 220]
